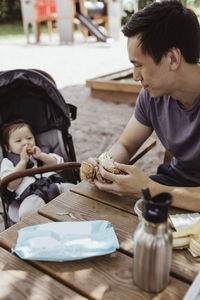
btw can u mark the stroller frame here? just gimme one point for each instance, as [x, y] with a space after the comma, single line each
[28, 91]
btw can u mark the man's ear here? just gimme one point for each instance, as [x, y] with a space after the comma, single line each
[174, 55]
[6, 148]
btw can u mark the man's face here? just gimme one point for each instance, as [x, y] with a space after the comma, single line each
[157, 79]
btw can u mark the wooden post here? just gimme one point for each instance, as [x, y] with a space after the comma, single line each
[66, 13]
[29, 18]
[114, 18]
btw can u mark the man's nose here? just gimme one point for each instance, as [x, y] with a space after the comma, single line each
[136, 75]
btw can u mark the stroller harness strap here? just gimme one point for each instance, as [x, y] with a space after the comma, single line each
[45, 188]
[15, 158]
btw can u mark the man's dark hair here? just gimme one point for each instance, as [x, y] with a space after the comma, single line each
[163, 25]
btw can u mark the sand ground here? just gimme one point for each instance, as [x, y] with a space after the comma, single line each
[99, 123]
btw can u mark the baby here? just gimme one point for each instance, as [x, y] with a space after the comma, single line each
[31, 192]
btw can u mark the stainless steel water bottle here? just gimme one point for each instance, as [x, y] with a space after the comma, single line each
[153, 245]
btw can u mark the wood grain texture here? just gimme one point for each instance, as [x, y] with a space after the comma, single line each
[8, 237]
[118, 97]
[126, 204]
[116, 82]
[83, 208]
[87, 209]
[90, 191]
[21, 281]
[106, 277]
[116, 87]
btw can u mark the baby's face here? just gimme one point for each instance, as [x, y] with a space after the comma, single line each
[19, 138]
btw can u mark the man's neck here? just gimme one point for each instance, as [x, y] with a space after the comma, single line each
[187, 86]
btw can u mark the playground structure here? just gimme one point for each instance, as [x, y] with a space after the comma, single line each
[64, 12]
[117, 87]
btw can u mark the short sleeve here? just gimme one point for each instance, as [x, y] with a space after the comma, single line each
[142, 108]
[7, 168]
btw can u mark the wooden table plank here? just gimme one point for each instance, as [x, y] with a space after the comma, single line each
[106, 277]
[84, 209]
[11, 233]
[90, 191]
[183, 264]
[126, 204]
[21, 281]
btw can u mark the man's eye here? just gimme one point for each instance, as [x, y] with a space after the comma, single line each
[137, 66]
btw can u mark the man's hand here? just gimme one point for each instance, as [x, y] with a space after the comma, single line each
[93, 161]
[129, 185]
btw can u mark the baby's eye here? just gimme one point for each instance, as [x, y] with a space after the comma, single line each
[30, 138]
[18, 141]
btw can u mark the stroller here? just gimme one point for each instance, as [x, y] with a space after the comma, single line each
[32, 95]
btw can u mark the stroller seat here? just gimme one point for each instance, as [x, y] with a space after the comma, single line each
[33, 96]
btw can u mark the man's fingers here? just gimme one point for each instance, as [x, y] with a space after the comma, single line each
[107, 187]
[122, 167]
[103, 186]
[93, 161]
[107, 175]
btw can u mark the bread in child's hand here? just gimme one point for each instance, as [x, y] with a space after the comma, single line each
[90, 172]
[29, 151]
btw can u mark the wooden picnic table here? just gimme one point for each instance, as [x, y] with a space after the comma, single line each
[104, 277]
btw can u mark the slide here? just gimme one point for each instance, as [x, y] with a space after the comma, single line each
[92, 28]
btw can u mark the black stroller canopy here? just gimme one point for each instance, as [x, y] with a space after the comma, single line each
[30, 95]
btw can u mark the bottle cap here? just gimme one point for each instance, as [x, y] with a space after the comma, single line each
[155, 209]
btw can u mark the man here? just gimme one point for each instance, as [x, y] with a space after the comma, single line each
[164, 47]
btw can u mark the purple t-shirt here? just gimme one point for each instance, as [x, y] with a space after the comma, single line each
[177, 129]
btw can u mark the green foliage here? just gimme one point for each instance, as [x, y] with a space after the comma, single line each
[143, 3]
[184, 2]
[10, 11]
[126, 16]
[127, 11]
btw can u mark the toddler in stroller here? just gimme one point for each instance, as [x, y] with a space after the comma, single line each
[31, 95]
[31, 192]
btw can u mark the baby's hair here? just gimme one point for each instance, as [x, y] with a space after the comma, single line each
[11, 126]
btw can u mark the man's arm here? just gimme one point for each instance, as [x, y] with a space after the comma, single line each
[183, 197]
[133, 136]
[130, 185]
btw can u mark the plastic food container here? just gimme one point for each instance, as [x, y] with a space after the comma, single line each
[138, 208]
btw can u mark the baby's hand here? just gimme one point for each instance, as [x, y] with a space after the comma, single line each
[24, 156]
[36, 152]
